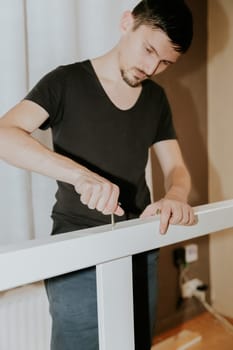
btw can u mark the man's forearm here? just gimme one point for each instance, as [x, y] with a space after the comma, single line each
[20, 149]
[178, 184]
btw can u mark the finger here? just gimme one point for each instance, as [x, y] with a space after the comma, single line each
[81, 185]
[177, 216]
[193, 219]
[188, 217]
[151, 210]
[95, 195]
[113, 206]
[181, 216]
[85, 196]
[119, 211]
[164, 220]
[104, 198]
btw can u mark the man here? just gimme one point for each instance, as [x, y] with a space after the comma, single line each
[105, 114]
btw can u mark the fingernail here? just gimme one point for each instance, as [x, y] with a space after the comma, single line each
[161, 231]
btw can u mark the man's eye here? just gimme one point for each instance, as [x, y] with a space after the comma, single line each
[166, 63]
[148, 50]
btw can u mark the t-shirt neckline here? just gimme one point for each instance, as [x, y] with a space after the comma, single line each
[104, 93]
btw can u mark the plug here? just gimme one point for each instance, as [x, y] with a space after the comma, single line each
[200, 292]
[188, 288]
[194, 287]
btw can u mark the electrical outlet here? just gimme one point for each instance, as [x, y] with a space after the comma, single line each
[191, 253]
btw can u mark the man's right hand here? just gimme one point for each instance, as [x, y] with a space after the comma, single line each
[98, 193]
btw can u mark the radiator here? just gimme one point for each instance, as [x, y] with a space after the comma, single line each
[24, 319]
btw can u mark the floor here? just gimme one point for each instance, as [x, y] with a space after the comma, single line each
[214, 335]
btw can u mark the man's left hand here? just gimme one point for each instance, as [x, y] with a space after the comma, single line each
[171, 212]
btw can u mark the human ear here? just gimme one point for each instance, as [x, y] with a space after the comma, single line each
[127, 22]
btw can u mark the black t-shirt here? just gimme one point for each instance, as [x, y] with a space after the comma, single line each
[88, 128]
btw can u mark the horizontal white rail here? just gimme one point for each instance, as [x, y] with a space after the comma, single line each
[38, 259]
[111, 251]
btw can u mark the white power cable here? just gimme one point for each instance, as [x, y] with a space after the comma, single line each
[183, 278]
[183, 275]
[211, 310]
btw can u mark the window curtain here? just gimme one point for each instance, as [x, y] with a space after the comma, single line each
[36, 37]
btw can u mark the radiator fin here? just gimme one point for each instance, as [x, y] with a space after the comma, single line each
[25, 322]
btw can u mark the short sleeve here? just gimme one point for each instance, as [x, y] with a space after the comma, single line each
[48, 93]
[166, 130]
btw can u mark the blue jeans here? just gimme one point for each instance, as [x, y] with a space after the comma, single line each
[73, 307]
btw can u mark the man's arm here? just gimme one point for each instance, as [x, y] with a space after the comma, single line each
[20, 149]
[174, 207]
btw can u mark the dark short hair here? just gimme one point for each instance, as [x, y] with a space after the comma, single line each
[171, 16]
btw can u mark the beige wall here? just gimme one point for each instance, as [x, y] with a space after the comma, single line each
[186, 86]
[220, 144]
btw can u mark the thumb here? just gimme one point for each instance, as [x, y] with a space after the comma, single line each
[119, 211]
[150, 210]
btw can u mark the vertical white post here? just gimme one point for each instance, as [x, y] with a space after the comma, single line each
[115, 305]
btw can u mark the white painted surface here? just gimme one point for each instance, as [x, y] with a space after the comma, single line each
[115, 305]
[110, 250]
[38, 259]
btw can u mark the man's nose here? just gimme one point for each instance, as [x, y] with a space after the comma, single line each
[151, 67]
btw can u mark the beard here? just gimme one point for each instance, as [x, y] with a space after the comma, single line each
[133, 77]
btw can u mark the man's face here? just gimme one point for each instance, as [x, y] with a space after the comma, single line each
[143, 53]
